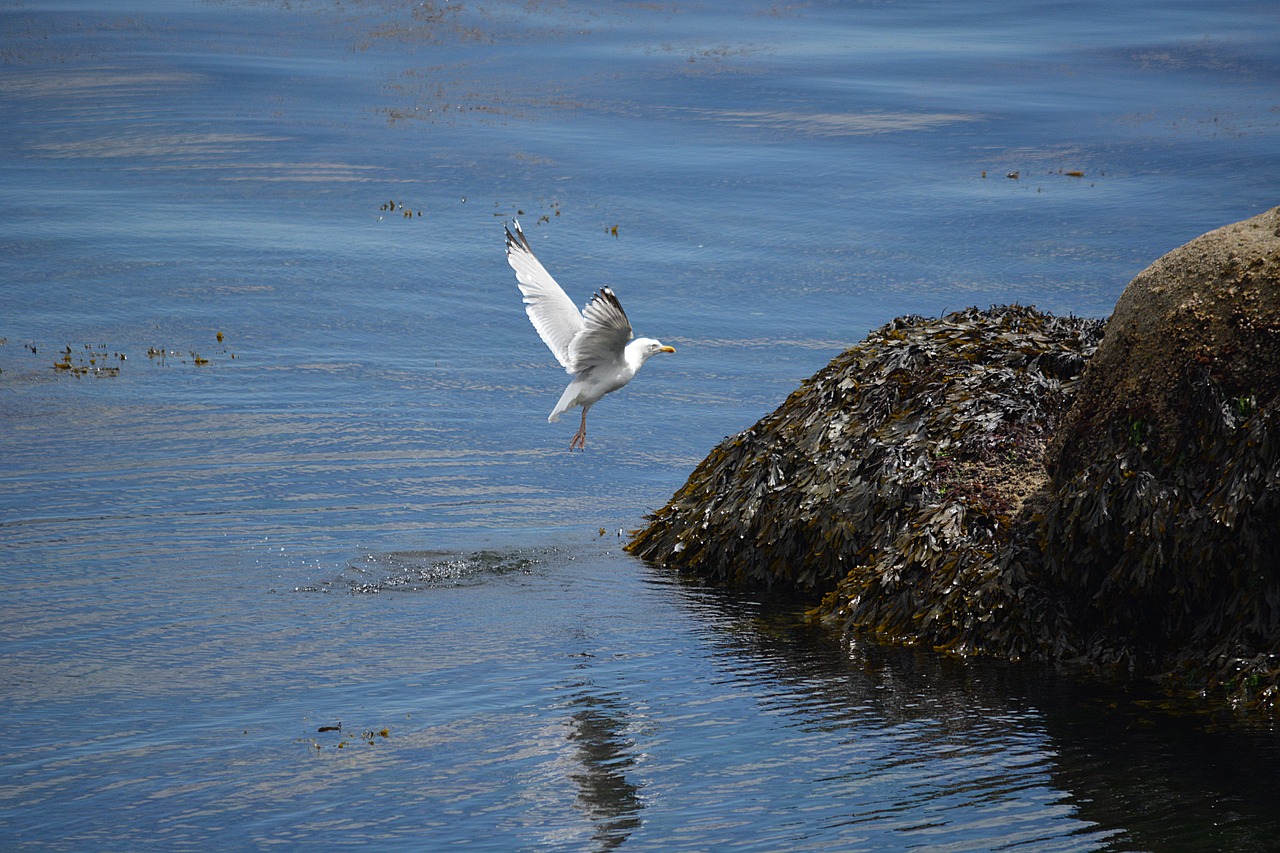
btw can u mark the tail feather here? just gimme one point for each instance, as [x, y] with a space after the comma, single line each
[567, 401]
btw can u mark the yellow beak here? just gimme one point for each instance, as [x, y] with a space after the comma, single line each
[667, 349]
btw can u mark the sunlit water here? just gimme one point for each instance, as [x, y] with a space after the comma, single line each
[350, 508]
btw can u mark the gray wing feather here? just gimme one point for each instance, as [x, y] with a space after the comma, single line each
[604, 335]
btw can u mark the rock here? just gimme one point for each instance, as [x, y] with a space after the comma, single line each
[1211, 308]
[1163, 536]
[902, 476]
[969, 483]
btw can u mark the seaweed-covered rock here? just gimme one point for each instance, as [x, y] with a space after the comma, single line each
[1208, 308]
[907, 480]
[903, 475]
[1163, 536]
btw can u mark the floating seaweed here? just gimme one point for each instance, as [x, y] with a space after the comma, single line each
[94, 360]
[101, 362]
[345, 737]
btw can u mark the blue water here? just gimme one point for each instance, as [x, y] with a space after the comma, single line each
[350, 508]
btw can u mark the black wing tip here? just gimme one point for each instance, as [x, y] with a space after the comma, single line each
[516, 240]
[606, 295]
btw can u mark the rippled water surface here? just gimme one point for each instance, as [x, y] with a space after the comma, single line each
[290, 554]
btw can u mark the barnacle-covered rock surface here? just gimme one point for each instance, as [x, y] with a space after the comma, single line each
[1163, 537]
[902, 478]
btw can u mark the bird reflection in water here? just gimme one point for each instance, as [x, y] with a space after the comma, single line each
[612, 802]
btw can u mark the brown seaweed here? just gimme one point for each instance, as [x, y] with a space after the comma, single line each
[905, 483]
[1168, 553]
[895, 481]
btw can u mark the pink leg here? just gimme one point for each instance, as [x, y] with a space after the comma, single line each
[580, 437]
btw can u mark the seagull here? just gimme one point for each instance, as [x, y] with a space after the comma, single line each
[593, 346]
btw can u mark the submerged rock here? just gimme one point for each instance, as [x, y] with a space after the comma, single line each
[902, 476]
[907, 480]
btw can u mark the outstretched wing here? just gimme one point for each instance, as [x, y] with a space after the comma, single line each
[552, 312]
[604, 335]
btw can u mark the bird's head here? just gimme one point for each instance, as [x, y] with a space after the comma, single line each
[645, 347]
[639, 350]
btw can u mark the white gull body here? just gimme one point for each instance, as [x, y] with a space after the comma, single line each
[593, 346]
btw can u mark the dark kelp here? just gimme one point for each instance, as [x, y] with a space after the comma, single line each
[902, 478]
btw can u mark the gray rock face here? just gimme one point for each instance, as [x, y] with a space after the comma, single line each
[1210, 307]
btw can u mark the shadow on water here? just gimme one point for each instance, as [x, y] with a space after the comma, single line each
[1166, 781]
[1136, 774]
[598, 728]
